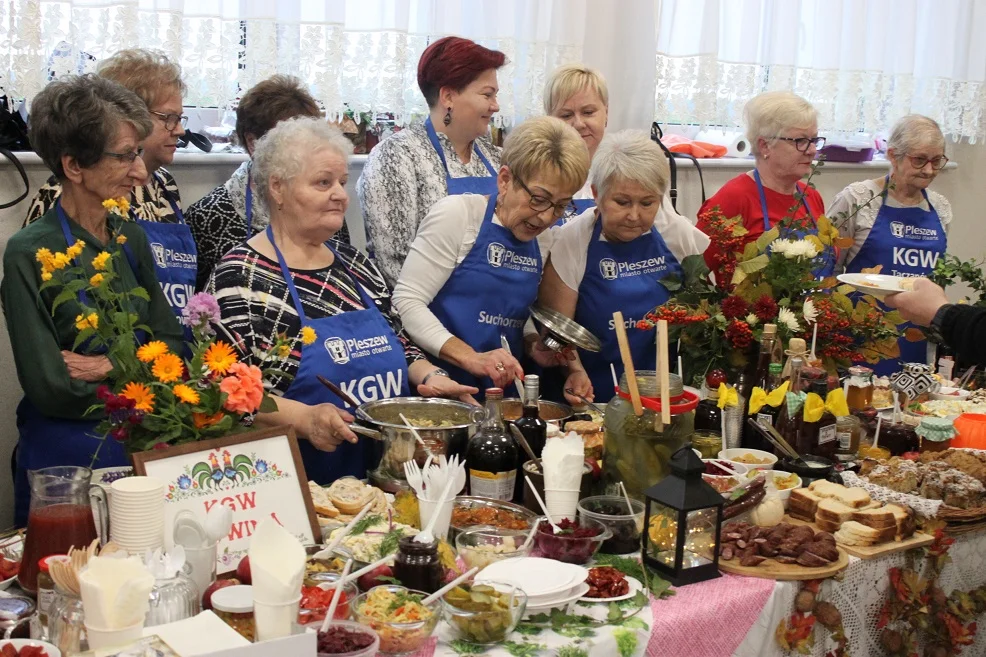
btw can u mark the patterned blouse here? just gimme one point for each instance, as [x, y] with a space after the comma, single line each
[256, 305]
[403, 177]
[218, 221]
[147, 201]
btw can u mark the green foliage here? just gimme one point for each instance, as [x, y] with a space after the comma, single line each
[572, 650]
[659, 588]
[465, 648]
[950, 270]
[626, 642]
[523, 649]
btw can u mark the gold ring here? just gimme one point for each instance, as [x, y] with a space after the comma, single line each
[500, 367]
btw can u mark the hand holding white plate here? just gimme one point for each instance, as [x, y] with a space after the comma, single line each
[877, 285]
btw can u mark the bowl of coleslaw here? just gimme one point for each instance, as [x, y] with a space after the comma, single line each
[397, 615]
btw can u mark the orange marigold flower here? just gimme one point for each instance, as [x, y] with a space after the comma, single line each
[167, 368]
[186, 393]
[141, 395]
[203, 421]
[150, 351]
[244, 388]
[219, 357]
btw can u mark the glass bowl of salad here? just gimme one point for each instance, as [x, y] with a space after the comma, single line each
[397, 615]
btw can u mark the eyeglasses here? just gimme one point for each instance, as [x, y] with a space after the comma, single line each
[802, 143]
[171, 120]
[919, 162]
[540, 203]
[125, 157]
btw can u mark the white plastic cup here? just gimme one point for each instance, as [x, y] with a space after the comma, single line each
[202, 562]
[427, 508]
[100, 638]
[274, 621]
[561, 504]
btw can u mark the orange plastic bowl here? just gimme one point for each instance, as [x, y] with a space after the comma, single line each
[970, 431]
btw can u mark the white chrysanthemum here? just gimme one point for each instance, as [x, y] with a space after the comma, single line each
[752, 319]
[805, 249]
[792, 249]
[786, 317]
[810, 312]
[782, 246]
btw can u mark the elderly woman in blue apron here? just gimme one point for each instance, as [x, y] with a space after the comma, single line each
[614, 256]
[93, 150]
[295, 279]
[450, 153]
[901, 226]
[154, 203]
[783, 132]
[475, 265]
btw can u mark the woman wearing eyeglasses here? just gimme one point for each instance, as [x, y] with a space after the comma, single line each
[79, 126]
[900, 226]
[155, 203]
[474, 268]
[783, 131]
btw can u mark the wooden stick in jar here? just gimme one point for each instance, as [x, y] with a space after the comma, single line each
[621, 338]
[662, 349]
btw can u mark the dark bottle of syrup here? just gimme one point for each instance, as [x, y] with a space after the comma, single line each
[534, 429]
[491, 456]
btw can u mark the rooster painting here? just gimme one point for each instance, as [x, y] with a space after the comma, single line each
[209, 474]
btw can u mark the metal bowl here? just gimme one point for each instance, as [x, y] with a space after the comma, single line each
[468, 502]
[558, 331]
[399, 445]
[549, 411]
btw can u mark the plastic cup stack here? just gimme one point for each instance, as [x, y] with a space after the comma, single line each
[561, 504]
[137, 514]
[427, 508]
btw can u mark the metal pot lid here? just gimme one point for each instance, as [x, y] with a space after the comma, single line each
[563, 330]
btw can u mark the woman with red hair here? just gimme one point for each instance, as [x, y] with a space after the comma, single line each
[450, 153]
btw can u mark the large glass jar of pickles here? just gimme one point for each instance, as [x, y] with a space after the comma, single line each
[637, 453]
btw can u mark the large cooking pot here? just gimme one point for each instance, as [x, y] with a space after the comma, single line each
[460, 421]
[549, 411]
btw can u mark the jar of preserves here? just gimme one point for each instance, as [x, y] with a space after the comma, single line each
[46, 586]
[848, 431]
[66, 624]
[898, 437]
[707, 443]
[639, 448]
[935, 433]
[859, 394]
[234, 605]
[418, 566]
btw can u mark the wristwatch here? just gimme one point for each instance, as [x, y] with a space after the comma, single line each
[934, 329]
[435, 372]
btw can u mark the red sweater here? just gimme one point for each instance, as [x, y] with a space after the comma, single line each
[739, 197]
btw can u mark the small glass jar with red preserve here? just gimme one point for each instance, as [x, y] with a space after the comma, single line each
[418, 565]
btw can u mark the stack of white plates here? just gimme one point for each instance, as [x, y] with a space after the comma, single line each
[547, 583]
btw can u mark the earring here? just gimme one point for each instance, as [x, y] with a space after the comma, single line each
[448, 116]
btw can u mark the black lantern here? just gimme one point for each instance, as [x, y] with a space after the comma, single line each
[683, 515]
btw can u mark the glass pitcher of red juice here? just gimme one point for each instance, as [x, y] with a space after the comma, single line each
[60, 517]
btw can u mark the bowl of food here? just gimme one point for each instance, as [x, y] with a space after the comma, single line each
[577, 542]
[398, 616]
[28, 648]
[753, 459]
[626, 524]
[325, 569]
[486, 613]
[778, 482]
[316, 598]
[817, 468]
[950, 394]
[11, 551]
[480, 547]
[717, 474]
[347, 639]
[474, 512]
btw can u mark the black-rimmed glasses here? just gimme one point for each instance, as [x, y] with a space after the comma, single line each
[920, 162]
[540, 203]
[125, 157]
[802, 143]
[171, 120]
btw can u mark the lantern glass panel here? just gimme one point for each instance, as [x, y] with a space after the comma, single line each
[700, 538]
[662, 532]
[700, 526]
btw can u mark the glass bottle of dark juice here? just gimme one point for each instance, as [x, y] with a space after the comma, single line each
[491, 456]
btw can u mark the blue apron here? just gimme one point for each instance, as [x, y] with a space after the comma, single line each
[47, 441]
[906, 242]
[622, 276]
[827, 268]
[175, 255]
[467, 184]
[490, 294]
[359, 351]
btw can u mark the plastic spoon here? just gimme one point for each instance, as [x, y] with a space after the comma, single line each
[451, 585]
[427, 536]
[335, 596]
[218, 521]
[414, 432]
[627, 498]
[530, 536]
[555, 528]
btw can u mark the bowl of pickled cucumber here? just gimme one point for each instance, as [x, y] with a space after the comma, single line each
[485, 613]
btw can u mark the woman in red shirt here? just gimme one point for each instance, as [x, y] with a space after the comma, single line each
[783, 131]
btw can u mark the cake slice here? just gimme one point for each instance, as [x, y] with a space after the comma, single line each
[876, 518]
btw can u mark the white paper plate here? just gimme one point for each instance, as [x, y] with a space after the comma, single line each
[560, 600]
[877, 285]
[635, 586]
[536, 576]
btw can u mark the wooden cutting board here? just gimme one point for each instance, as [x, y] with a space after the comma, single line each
[917, 540]
[771, 569]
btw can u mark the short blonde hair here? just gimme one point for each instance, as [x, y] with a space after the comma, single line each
[284, 150]
[913, 131]
[771, 113]
[546, 145]
[568, 80]
[147, 73]
[630, 155]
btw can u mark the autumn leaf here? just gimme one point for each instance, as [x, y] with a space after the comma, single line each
[845, 289]
[871, 270]
[913, 334]
[766, 238]
[844, 242]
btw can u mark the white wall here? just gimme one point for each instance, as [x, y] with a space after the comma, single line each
[197, 174]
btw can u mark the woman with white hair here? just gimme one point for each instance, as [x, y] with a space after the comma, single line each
[295, 279]
[899, 225]
[613, 257]
[783, 131]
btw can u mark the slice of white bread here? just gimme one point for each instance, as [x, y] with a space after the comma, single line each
[854, 533]
[350, 495]
[802, 504]
[875, 518]
[854, 497]
[904, 517]
[833, 510]
[320, 500]
[827, 525]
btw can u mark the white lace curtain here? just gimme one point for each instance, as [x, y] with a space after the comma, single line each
[862, 63]
[360, 54]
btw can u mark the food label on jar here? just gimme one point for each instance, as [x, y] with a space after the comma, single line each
[826, 434]
[496, 485]
[845, 440]
[45, 598]
[765, 419]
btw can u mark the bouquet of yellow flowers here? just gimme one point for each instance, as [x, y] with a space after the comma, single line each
[155, 397]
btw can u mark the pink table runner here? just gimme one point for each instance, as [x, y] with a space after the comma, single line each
[707, 619]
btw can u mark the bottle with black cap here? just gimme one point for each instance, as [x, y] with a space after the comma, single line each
[491, 456]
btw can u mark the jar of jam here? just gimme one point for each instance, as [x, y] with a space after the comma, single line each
[234, 605]
[860, 389]
[819, 437]
[46, 586]
[936, 434]
[848, 431]
[707, 443]
[418, 566]
[899, 438]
